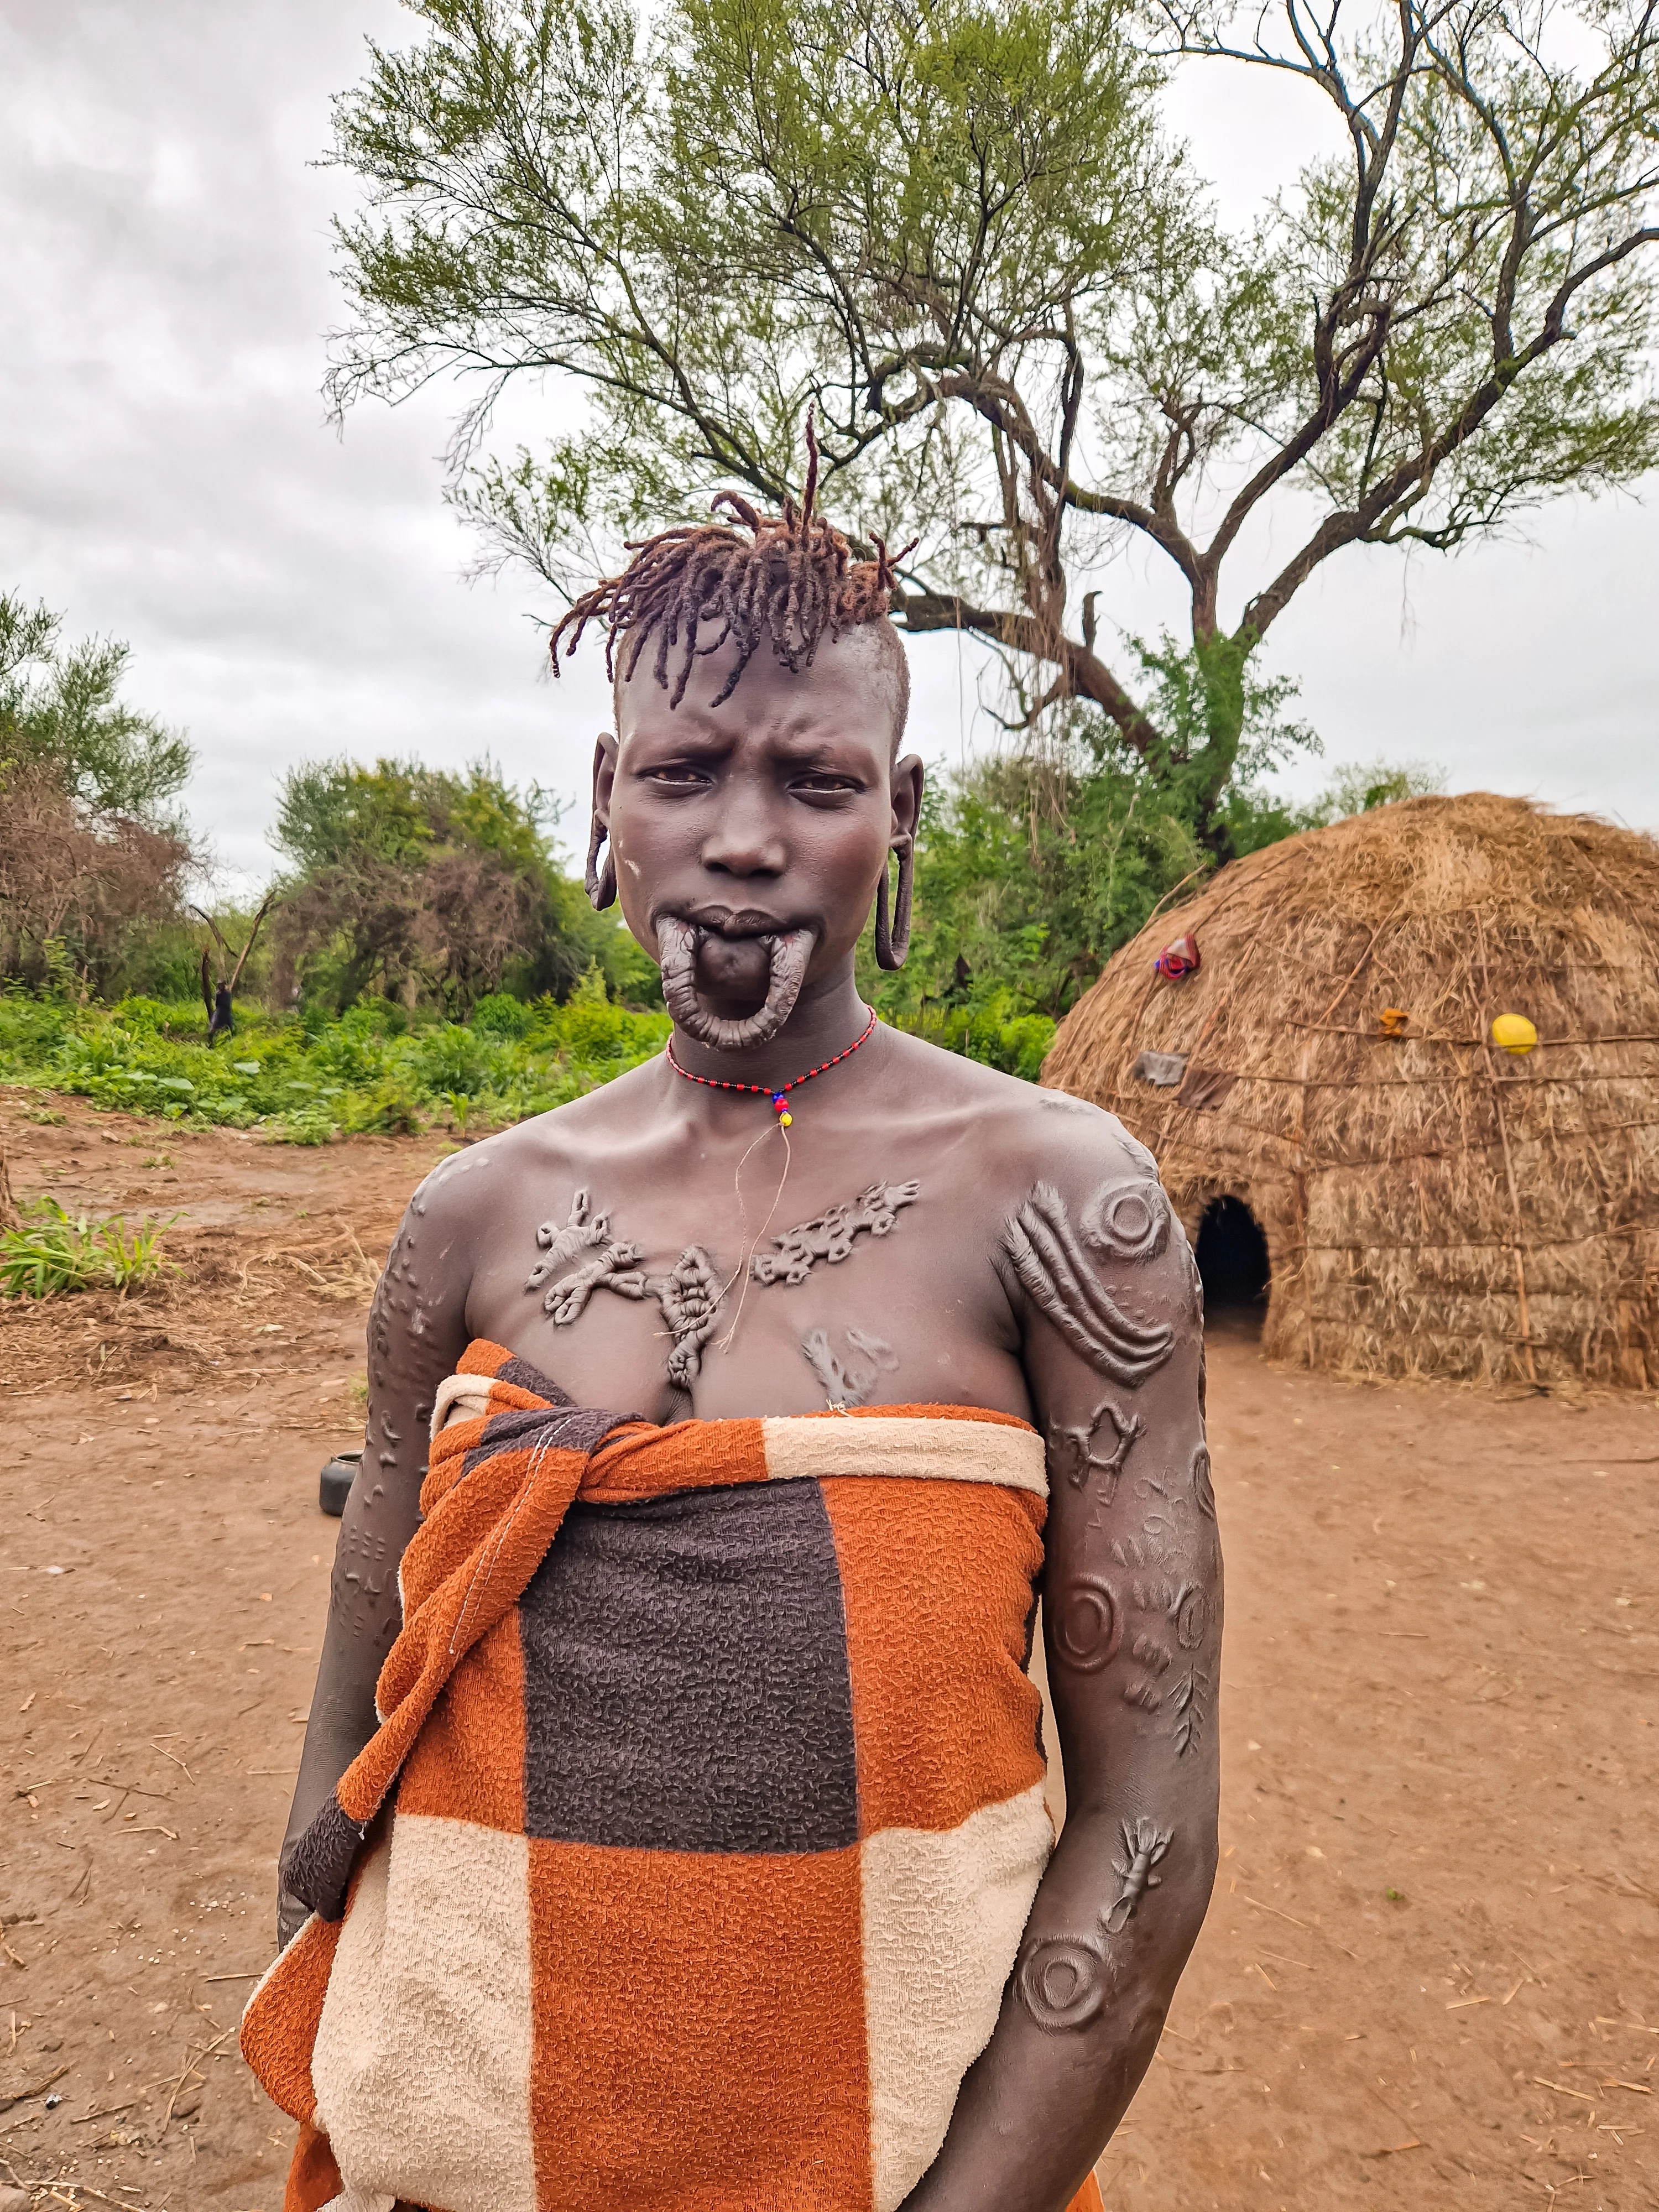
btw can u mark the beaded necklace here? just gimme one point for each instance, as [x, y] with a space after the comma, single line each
[780, 1094]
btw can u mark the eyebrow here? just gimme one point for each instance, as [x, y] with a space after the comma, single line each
[685, 739]
[794, 748]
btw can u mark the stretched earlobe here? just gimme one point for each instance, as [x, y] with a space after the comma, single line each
[599, 882]
[893, 939]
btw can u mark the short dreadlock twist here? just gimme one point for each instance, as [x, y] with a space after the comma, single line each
[791, 579]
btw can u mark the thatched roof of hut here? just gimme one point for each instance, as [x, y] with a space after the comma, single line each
[1432, 1205]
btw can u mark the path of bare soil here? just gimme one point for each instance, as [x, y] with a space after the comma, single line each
[1428, 1975]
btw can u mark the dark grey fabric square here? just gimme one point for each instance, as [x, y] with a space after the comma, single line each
[575, 1428]
[686, 1684]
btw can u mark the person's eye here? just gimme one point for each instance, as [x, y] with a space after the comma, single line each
[678, 773]
[821, 781]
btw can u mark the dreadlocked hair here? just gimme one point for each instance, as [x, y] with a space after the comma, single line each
[787, 577]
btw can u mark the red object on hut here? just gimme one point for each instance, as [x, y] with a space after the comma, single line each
[1179, 958]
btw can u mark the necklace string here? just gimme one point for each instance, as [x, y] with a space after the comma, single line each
[778, 1093]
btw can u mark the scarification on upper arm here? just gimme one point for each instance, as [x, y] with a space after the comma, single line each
[1134, 1596]
[1061, 1280]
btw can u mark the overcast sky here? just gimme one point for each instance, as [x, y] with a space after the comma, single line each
[166, 474]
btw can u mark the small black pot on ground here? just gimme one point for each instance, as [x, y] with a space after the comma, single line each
[334, 1484]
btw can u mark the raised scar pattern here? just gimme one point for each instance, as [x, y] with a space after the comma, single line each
[1057, 1276]
[830, 1236]
[1187, 1699]
[845, 1384]
[582, 1256]
[1127, 1220]
[1062, 1980]
[1074, 1448]
[689, 1296]
[1190, 1613]
[580, 1231]
[616, 1268]
[1144, 1845]
[1203, 1490]
[1088, 1625]
[612, 1265]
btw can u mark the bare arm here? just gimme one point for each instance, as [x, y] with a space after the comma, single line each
[1104, 1282]
[416, 1332]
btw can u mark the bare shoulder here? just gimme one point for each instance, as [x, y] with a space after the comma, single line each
[1076, 1219]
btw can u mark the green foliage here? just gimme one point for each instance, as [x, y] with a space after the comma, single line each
[61, 710]
[1358, 786]
[956, 233]
[434, 889]
[93, 851]
[54, 1251]
[992, 1028]
[335, 812]
[1032, 868]
[304, 1081]
[162, 959]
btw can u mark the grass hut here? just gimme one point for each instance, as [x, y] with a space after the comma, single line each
[1424, 1201]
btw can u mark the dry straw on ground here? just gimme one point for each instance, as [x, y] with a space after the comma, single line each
[1432, 1205]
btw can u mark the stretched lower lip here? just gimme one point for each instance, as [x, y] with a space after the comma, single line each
[786, 952]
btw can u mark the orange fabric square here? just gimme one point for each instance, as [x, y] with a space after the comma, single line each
[704, 2015]
[687, 1454]
[936, 1582]
[468, 1759]
[313, 2180]
[279, 2027]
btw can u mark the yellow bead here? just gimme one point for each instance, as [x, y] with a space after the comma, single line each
[784, 1121]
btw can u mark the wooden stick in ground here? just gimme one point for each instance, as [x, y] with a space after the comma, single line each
[265, 905]
[10, 1216]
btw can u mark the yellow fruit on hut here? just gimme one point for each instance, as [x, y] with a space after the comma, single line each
[1515, 1033]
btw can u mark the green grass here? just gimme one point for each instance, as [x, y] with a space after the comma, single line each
[54, 1252]
[303, 1080]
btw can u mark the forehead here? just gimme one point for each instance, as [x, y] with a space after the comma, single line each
[846, 695]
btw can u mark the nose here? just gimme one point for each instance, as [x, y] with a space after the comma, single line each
[745, 839]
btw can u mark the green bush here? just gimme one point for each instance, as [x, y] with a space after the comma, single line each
[993, 1032]
[498, 1015]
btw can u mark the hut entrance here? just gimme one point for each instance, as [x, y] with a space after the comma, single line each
[1232, 1261]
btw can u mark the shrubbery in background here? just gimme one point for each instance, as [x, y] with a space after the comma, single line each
[1033, 866]
[432, 889]
[429, 961]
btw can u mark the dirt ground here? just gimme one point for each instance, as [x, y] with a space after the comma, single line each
[1429, 1970]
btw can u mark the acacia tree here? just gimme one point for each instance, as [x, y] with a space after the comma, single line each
[955, 232]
